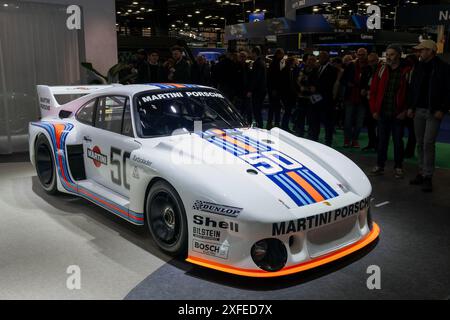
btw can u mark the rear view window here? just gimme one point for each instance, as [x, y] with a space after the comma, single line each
[86, 113]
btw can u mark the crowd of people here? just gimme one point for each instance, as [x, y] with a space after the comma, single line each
[353, 91]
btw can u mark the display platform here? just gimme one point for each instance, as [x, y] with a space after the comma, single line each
[41, 236]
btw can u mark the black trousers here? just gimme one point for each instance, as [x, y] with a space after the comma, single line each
[301, 114]
[257, 105]
[289, 105]
[371, 124]
[388, 127]
[411, 145]
[274, 109]
[243, 104]
[322, 112]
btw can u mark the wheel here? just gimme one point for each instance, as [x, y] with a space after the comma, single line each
[166, 219]
[45, 165]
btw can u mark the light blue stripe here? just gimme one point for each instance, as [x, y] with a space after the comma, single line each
[299, 197]
[307, 198]
[229, 144]
[254, 144]
[317, 181]
[226, 147]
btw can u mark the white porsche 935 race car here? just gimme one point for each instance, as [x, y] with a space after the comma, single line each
[180, 160]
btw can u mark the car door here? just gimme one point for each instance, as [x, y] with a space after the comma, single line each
[109, 144]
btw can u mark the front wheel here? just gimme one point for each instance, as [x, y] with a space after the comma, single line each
[166, 219]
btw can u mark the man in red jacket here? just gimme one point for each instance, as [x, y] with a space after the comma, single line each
[388, 107]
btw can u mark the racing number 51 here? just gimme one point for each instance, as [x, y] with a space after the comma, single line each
[122, 162]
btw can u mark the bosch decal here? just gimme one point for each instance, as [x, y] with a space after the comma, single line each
[216, 208]
[211, 249]
[96, 155]
[322, 219]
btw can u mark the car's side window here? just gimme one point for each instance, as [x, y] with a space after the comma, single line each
[127, 127]
[86, 113]
[109, 113]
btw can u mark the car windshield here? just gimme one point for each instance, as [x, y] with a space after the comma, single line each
[164, 113]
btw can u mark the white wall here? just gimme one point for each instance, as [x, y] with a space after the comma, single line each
[99, 17]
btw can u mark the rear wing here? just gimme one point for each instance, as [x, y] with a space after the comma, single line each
[48, 104]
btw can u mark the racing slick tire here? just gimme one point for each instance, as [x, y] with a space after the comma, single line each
[45, 164]
[165, 218]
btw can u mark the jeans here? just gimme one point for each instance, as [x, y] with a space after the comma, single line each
[426, 128]
[354, 120]
[386, 128]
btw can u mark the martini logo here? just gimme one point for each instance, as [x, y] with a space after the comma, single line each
[96, 155]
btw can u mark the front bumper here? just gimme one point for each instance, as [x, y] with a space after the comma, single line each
[316, 262]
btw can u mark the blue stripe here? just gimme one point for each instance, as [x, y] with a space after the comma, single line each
[331, 190]
[319, 189]
[226, 147]
[288, 190]
[231, 145]
[253, 143]
[299, 189]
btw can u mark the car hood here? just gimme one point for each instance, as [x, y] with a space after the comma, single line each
[241, 168]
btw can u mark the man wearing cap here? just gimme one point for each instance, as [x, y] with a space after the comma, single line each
[428, 103]
[388, 107]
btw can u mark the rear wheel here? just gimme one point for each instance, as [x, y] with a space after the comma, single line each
[166, 219]
[45, 164]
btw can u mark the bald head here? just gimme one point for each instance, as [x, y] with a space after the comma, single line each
[361, 54]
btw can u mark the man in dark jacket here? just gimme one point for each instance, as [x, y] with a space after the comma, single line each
[201, 72]
[429, 101]
[388, 107]
[242, 102]
[182, 73]
[322, 109]
[155, 67]
[143, 68]
[355, 89]
[258, 85]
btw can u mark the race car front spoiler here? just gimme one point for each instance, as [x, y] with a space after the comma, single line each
[314, 263]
